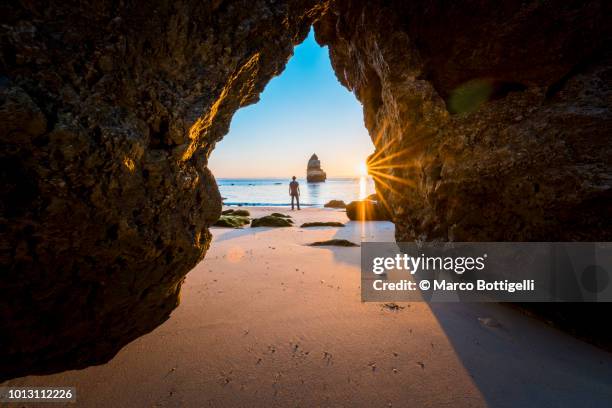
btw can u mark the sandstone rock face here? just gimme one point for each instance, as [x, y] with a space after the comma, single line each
[108, 114]
[314, 172]
[490, 121]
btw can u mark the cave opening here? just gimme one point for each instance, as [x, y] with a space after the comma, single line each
[302, 112]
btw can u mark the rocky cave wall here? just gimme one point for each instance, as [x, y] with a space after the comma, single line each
[490, 122]
[108, 112]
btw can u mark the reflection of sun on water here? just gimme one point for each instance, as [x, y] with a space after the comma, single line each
[362, 170]
[362, 187]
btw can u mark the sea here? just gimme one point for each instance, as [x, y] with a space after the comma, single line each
[275, 191]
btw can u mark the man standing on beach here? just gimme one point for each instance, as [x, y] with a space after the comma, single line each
[294, 192]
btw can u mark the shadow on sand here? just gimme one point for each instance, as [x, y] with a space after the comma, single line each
[522, 362]
[518, 362]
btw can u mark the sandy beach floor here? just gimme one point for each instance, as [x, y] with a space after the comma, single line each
[267, 321]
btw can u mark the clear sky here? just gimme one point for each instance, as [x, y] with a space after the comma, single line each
[303, 111]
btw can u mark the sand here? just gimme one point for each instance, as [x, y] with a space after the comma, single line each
[268, 321]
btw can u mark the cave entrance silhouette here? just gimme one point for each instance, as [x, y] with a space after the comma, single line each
[112, 113]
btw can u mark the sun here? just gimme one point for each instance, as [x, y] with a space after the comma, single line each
[362, 169]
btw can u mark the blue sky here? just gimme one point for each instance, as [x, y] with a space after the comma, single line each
[305, 110]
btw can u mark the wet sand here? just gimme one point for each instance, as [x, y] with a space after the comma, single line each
[267, 321]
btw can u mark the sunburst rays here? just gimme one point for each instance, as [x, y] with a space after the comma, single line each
[391, 168]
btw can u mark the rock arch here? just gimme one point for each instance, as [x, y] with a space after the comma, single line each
[109, 110]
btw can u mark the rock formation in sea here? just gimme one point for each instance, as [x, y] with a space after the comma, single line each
[314, 172]
[490, 121]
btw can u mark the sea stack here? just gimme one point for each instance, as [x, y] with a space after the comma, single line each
[314, 173]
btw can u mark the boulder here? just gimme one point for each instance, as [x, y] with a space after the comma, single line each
[232, 221]
[275, 214]
[271, 221]
[335, 242]
[322, 224]
[367, 210]
[242, 213]
[335, 204]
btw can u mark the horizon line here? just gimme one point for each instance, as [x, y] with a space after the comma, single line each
[286, 177]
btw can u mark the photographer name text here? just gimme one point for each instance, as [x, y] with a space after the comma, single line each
[449, 286]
